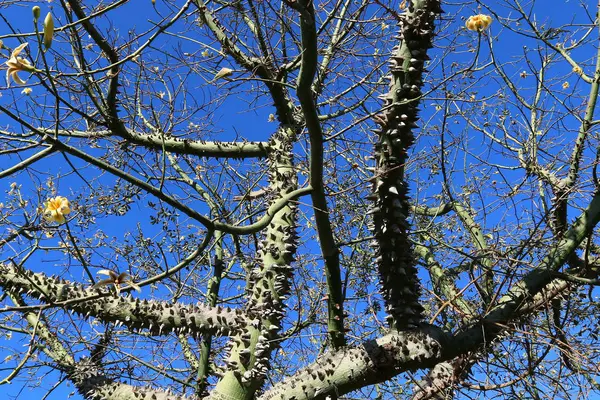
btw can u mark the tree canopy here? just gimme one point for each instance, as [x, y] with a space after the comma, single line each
[299, 199]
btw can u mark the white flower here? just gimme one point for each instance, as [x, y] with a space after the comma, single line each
[117, 280]
[17, 64]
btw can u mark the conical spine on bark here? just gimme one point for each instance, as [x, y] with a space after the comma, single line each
[393, 250]
[157, 317]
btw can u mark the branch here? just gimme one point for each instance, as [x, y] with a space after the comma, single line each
[442, 282]
[308, 69]
[209, 224]
[347, 369]
[442, 209]
[90, 382]
[393, 254]
[437, 384]
[111, 111]
[157, 317]
[574, 164]
[341, 371]
[525, 292]
[254, 65]
[158, 141]
[444, 376]
[268, 284]
[95, 385]
[15, 233]
[203, 363]
[479, 242]
[229, 47]
[27, 162]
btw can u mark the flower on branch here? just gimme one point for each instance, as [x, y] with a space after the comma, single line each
[27, 91]
[17, 64]
[117, 280]
[56, 208]
[478, 22]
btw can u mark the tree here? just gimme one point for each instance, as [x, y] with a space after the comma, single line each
[296, 225]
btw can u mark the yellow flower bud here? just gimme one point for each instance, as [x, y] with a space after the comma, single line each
[36, 13]
[48, 30]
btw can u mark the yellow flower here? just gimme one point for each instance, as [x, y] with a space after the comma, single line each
[17, 64]
[56, 209]
[117, 280]
[565, 85]
[205, 53]
[27, 91]
[578, 70]
[478, 22]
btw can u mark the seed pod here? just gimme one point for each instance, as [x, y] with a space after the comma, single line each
[48, 30]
